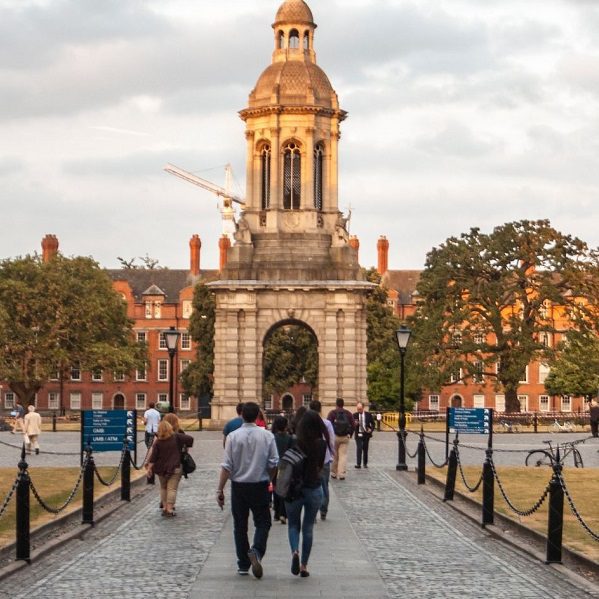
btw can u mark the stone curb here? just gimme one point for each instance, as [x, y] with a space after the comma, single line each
[78, 532]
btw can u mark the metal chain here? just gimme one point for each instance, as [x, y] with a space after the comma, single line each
[70, 498]
[473, 489]
[410, 455]
[433, 461]
[575, 511]
[10, 494]
[143, 463]
[19, 447]
[522, 513]
[118, 469]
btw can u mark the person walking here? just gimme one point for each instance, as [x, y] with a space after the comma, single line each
[283, 441]
[165, 461]
[19, 413]
[151, 419]
[594, 415]
[343, 426]
[312, 440]
[363, 428]
[234, 423]
[328, 460]
[250, 461]
[32, 429]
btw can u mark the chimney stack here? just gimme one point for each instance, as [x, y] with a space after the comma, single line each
[49, 247]
[195, 245]
[354, 243]
[224, 243]
[382, 248]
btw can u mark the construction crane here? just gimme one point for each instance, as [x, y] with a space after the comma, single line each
[227, 211]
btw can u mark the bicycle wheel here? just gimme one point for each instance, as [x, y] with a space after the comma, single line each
[577, 458]
[538, 457]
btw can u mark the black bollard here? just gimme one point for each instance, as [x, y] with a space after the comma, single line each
[88, 489]
[54, 421]
[421, 459]
[535, 422]
[556, 517]
[126, 475]
[488, 490]
[452, 470]
[23, 515]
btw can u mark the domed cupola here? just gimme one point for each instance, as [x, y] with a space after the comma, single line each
[294, 11]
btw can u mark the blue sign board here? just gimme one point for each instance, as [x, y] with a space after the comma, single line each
[106, 430]
[470, 420]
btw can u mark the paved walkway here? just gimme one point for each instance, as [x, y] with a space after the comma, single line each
[383, 538]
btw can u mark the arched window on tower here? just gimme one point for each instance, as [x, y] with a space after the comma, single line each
[265, 176]
[292, 177]
[281, 40]
[318, 176]
[294, 39]
[306, 40]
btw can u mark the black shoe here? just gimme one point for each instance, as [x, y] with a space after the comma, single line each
[323, 516]
[304, 573]
[365, 466]
[254, 557]
[295, 565]
[37, 452]
[243, 571]
[358, 466]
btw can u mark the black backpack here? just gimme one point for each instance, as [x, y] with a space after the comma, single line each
[290, 474]
[341, 424]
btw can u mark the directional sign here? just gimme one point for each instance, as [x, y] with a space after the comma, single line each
[106, 430]
[470, 420]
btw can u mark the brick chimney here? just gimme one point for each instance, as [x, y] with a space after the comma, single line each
[49, 247]
[354, 243]
[195, 245]
[224, 243]
[382, 248]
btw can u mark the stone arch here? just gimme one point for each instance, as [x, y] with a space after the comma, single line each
[456, 401]
[287, 401]
[118, 401]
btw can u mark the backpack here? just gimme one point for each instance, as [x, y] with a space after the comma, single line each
[341, 424]
[290, 474]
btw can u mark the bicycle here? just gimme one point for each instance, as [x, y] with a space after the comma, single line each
[556, 427]
[509, 427]
[548, 457]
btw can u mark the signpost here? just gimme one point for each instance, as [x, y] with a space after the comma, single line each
[106, 430]
[469, 421]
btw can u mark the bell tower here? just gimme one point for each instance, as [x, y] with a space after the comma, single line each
[292, 260]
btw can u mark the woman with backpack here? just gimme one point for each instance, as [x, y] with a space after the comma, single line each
[284, 442]
[312, 439]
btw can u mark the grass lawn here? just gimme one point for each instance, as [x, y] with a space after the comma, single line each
[54, 485]
[525, 485]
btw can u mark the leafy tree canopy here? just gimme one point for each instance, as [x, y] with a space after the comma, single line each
[57, 314]
[487, 299]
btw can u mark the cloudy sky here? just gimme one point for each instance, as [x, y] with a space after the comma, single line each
[462, 113]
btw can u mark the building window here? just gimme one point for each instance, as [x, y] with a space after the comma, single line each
[75, 400]
[281, 40]
[546, 339]
[184, 365]
[187, 308]
[524, 376]
[268, 403]
[157, 310]
[306, 399]
[53, 400]
[566, 403]
[479, 338]
[500, 403]
[141, 374]
[97, 374]
[185, 341]
[163, 397]
[292, 177]
[162, 341]
[141, 337]
[478, 376]
[148, 309]
[184, 402]
[118, 377]
[543, 372]
[433, 402]
[265, 177]
[306, 40]
[97, 401]
[9, 400]
[478, 400]
[455, 376]
[163, 370]
[456, 338]
[140, 401]
[544, 403]
[523, 399]
[545, 309]
[294, 39]
[55, 376]
[318, 175]
[75, 373]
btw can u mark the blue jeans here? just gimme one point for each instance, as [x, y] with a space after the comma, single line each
[310, 501]
[246, 497]
[324, 483]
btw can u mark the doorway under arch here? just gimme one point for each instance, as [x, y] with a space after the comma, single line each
[456, 401]
[118, 402]
[287, 402]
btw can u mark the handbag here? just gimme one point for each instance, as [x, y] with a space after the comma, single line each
[188, 464]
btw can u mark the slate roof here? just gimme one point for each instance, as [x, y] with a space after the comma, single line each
[403, 281]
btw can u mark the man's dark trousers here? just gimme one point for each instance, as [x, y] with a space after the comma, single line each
[362, 449]
[246, 497]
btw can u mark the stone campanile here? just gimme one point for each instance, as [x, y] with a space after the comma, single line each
[291, 260]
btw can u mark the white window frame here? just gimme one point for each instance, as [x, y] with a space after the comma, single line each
[268, 403]
[478, 400]
[184, 402]
[141, 375]
[544, 403]
[162, 371]
[118, 377]
[306, 399]
[75, 373]
[97, 405]
[149, 312]
[453, 379]
[479, 376]
[183, 364]
[162, 341]
[140, 401]
[142, 337]
[500, 402]
[434, 402]
[544, 371]
[75, 400]
[53, 400]
[523, 399]
[97, 375]
[9, 400]
[524, 381]
[185, 341]
[162, 397]
[187, 308]
[566, 403]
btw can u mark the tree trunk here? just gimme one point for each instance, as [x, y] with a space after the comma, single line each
[25, 394]
[511, 400]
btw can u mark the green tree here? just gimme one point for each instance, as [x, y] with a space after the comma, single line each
[290, 357]
[197, 378]
[57, 314]
[487, 300]
[575, 368]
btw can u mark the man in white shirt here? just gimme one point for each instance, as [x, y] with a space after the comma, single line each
[151, 420]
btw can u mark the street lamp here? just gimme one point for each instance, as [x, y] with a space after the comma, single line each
[403, 337]
[171, 338]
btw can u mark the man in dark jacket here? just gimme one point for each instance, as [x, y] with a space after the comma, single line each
[363, 427]
[343, 426]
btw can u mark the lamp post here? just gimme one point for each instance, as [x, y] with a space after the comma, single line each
[171, 338]
[403, 337]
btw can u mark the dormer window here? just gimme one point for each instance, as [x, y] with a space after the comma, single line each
[294, 39]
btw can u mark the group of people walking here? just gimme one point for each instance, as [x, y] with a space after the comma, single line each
[250, 462]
